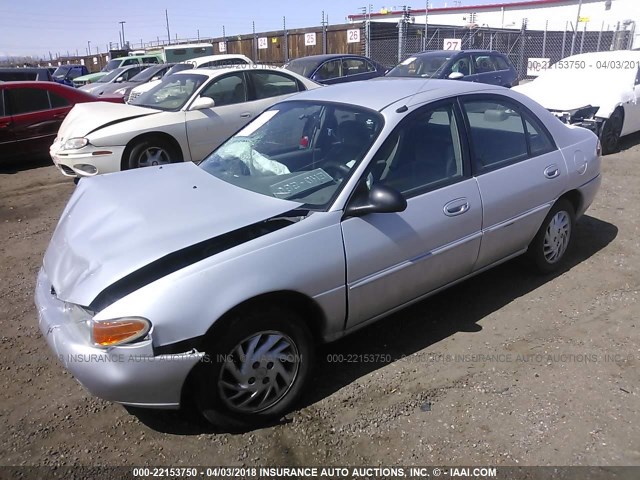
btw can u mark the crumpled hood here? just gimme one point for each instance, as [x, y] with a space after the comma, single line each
[566, 96]
[87, 117]
[117, 223]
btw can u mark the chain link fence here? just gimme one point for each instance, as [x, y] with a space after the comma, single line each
[391, 43]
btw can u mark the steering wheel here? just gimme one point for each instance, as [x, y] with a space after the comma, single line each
[339, 171]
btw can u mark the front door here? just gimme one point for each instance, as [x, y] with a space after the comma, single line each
[208, 128]
[393, 258]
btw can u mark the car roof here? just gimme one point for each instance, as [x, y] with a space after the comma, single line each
[607, 55]
[328, 56]
[216, 71]
[455, 52]
[381, 92]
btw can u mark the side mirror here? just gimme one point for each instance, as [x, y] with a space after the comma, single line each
[157, 77]
[380, 199]
[202, 103]
[456, 76]
[119, 80]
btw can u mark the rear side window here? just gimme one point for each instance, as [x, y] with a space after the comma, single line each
[151, 59]
[329, 70]
[27, 100]
[497, 133]
[57, 101]
[354, 66]
[131, 61]
[268, 84]
[502, 133]
[483, 63]
[539, 141]
[501, 63]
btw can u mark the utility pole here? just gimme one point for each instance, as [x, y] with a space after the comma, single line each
[166, 16]
[575, 29]
[89, 47]
[122, 25]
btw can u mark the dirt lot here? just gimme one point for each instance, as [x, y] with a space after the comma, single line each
[540, 370]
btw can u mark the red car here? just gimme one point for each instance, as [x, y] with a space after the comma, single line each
[31, 114]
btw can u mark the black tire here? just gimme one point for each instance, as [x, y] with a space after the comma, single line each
[610, 133]
[540, 252]
[211, 394]
[160, 151]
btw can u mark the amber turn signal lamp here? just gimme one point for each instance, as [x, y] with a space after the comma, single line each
[107, 333]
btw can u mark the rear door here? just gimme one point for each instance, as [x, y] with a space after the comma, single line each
[394, 258]
[329, 72]
[519, 170]
[354, 69]
[7, 137]
[485, 68]
[35, 124]
[505, 75]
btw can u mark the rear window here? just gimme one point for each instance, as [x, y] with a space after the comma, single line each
[17, 75]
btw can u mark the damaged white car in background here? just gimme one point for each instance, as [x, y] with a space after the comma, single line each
[598, 91]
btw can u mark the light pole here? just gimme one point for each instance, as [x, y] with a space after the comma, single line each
[575, 30]
[89, 47]
[122, 26]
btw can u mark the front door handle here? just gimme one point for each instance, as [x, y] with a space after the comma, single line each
[245, 115]
[456, 207]
[552, 171]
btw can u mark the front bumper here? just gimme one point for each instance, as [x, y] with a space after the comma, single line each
[86, 161]
[128, 374]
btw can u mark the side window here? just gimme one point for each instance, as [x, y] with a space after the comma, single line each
[26, 100]
[483, 63]
[2, 103]
[268, 84]
[462, 65]
[371, 67]
[539, 141]
[353, 66]
[497, 133]
[424, 153]
[74, 73]
[227, 90]
[329, 70]
[132, 72]
[150, 60]
[501, 63]
[57, 101]
[131, 61]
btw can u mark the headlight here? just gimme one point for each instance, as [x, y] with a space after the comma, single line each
[75, 143]
[108, 333]
[121, 91]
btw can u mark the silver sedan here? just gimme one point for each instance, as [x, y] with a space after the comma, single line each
[331, 210]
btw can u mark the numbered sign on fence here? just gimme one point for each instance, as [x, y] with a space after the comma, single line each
[310, 39]
[535, 66]
[353, 36]
[263, 42]
[222, 47]
[452, 44]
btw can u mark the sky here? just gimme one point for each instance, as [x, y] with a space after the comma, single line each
[37, 27]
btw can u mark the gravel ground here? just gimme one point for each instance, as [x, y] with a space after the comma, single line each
[505, 369]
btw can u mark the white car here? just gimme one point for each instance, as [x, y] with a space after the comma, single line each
[599, 91]
[185, 117]
[199, 62]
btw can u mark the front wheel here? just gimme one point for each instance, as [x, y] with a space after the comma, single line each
[256, 370]
[152, 151]
[549, 247]
[611, 131]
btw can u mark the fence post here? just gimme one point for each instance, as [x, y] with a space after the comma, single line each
[544, 39]
[255, 42]
[584, 32]
[600, 37]
[521, 67]
[367, 38]
[564, 39]
[631, 36]
[324, 33]
[401, 26]
[285, 40]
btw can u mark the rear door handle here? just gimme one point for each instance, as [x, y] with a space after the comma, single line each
[552, 171]
[245, 115]
[456, 207]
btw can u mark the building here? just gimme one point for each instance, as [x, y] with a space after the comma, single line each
[552, 15]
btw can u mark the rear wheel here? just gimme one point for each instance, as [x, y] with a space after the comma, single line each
[152, 151]
[551, 243]
[255, 370]
[610, 134]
